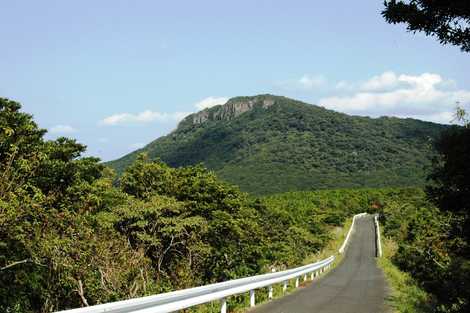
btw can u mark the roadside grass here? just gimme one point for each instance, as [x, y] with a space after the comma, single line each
[338, 234]
[406, 296]
[241, 303]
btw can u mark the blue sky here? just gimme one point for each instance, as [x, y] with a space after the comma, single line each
[118, 74]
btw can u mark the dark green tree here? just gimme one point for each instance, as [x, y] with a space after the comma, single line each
[450, 188]
[448, 20]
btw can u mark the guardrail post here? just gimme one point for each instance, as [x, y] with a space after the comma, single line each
[377, 235]
[223, 305]
[284, 286]
[252, 298]
[305, 277]
[296, 282]
[312, 274]
[270, 292]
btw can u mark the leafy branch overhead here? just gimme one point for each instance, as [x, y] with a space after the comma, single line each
[448, 20]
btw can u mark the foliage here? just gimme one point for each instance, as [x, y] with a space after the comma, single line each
[320, 211]
[432, 229]
[406, 295]
[428, 251]
[292, 145]
[51, 247]
[448, 20]
[450, 188]
[70, 236]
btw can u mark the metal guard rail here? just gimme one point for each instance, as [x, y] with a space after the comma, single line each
[378, 243]
[182, 299]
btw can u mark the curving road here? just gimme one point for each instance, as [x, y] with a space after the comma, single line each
[357, 285]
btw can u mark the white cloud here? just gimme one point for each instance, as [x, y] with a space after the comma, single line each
[427, 96]
[385, 81]
[142, 117]
[210, 102]
[149, 116]
[62, 129]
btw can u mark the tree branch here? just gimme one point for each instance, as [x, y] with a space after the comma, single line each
[81, 293]
[20, 262]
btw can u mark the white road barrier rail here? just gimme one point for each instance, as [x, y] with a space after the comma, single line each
[377, 236]
[351, 229]
[186, 298]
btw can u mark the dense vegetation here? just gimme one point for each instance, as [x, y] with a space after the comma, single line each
[292, 145]
[70, 238]
[447, 20]
[431, 229]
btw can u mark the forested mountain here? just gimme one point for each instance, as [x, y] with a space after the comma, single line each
[267, 144]
[70, 238]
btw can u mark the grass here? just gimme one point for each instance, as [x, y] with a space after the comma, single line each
[241, 303]
[406, 296]
[339, 234]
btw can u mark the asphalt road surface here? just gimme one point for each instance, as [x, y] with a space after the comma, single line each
[357, 285]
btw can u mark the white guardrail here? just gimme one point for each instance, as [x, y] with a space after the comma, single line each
[377, 236]
[343, 246]
[182, 299]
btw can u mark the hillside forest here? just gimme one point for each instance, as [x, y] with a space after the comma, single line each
[253, 142]
[72, 236]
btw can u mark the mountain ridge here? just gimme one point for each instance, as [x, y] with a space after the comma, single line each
[231, 109]
[268, 144]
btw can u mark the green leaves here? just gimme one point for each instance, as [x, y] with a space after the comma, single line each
[144, 178]
[428, 249]
[293, 145]
[214, 224]
[447, 20]
[72, 235]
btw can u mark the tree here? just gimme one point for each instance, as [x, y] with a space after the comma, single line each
[53, 253]
[461, 116]
[448, 20]
[450, 189]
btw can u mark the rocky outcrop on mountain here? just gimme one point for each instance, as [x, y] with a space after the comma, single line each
[233, 108]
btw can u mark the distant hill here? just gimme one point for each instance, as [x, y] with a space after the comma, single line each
[269, 144]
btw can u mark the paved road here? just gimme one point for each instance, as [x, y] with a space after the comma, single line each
[355, 286]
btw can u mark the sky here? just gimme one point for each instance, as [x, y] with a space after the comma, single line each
[116, 75]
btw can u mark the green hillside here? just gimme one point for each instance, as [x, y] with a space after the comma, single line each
[268, 144]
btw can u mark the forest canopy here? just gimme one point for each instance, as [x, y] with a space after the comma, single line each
[70, 237]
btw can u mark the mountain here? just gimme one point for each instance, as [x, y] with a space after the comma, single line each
[268, 144]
